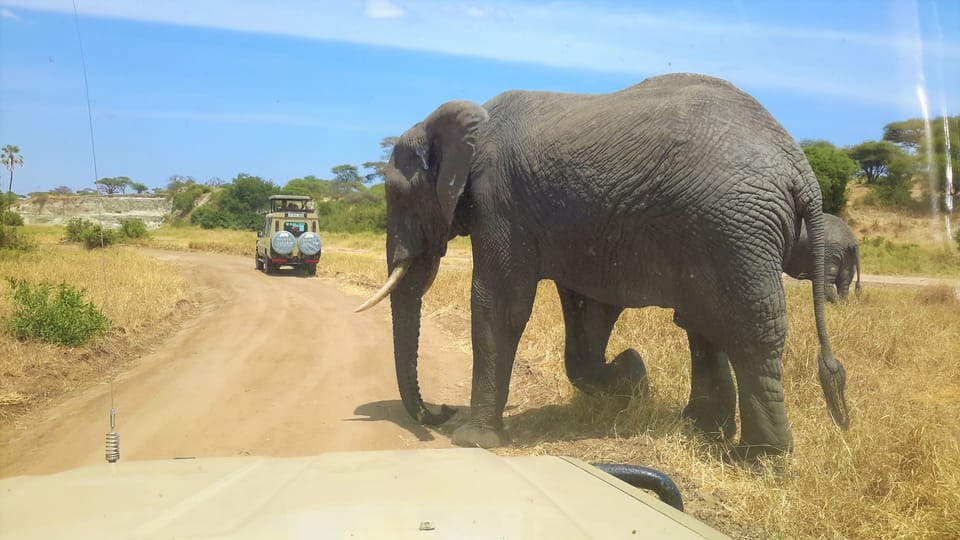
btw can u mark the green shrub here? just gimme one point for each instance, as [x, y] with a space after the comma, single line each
[210, 218]
[11, 238]
[75, 228]
[833, 169]
[133, 228]
[96, 236]
[185, 199]
[12, 218]
[56, 314]
[340, 216]
[92, 235]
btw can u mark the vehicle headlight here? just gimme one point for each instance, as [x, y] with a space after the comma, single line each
[283, 243]
[309, 243]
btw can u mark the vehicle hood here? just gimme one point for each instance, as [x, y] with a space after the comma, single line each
[422, 494]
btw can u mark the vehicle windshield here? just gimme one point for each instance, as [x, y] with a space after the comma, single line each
[718, 239]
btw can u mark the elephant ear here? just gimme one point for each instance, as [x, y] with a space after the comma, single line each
[452, 134]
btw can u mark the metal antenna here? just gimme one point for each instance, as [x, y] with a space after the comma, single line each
[112, 453]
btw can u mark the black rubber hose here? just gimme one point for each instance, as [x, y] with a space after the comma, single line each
[646, 478]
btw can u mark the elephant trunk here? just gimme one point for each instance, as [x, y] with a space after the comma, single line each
[833, 377]
[405, 305]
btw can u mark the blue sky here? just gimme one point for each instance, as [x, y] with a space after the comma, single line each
[289, 88]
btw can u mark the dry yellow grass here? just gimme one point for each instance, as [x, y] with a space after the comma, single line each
[898, 225]
[141, 296]
[894, 474]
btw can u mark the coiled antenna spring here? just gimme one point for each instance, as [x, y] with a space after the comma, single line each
[113, 440]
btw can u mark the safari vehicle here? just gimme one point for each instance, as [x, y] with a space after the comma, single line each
[435, 493]
[289, 236]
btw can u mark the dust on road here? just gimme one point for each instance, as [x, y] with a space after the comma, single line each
[273, 365]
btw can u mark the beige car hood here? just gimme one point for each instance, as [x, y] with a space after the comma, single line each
[422, 494]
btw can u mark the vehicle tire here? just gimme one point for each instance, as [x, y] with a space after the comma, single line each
[256, 262]
[311, 269]
[268, 267]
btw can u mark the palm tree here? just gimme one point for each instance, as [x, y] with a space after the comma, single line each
[11, 159]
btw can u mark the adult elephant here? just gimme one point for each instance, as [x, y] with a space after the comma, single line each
[680, 192]
[841, 258]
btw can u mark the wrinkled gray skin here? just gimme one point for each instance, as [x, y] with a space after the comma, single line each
[680, 192]
[841, 257]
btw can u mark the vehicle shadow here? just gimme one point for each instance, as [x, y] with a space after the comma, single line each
[286, 273]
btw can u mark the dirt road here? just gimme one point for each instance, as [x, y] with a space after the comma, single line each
[273, 365]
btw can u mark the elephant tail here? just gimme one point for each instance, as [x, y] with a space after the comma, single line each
[856, 260]
[833, 377]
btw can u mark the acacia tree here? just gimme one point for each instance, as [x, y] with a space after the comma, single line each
[874, 157]
[943, 147]
[138, 187]
[111, 186]
[386, 148]
[346, 178]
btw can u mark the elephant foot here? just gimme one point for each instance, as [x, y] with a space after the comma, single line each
[712, 417]
[830, 295]
[473, 436]
[627, 375]
[750, 453]
[762, 439]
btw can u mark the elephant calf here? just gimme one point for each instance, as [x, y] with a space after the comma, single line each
[841, 258]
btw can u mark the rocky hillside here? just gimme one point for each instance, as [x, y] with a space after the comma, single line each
[110, 209]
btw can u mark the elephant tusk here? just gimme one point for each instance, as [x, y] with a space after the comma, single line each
[387, 288]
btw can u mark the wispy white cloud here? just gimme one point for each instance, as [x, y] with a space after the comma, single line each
[8, 14]
[383, 9]
[316, 119]
[631, 40]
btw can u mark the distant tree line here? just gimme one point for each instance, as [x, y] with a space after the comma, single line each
[891, 166]
[351, 201]
[343, 204]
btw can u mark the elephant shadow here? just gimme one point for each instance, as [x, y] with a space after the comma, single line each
[592, 417]
[391, 410]
[584, 417]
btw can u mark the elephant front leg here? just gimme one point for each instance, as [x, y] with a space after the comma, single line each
[844, 278]
[498, 319]
[713, 400]
[588, 327]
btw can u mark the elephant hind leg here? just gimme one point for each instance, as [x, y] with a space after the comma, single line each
[713, 399]
[764, 427]
[748, 322]
[588, 327]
